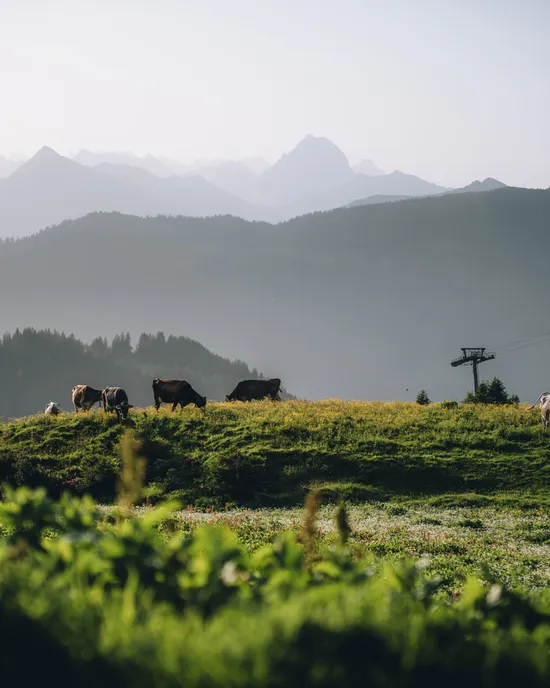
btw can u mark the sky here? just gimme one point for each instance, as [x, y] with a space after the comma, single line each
[450, 90]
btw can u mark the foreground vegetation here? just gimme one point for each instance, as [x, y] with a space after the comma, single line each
[114, 600]
[495, 541]
[272, 454]
[437, 574]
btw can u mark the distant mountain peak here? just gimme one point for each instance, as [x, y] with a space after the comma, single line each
[488, 184]
[311, 144]
[368, 168]
[46, 157]
[46, 153]
[314, 165]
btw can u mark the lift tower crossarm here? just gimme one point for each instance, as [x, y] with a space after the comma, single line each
[473, 355]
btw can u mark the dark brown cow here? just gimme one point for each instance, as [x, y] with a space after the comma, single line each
[84, 397]
[248, 390]
[116, 399]
[176, 392]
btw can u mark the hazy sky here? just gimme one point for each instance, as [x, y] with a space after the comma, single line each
[450, 90]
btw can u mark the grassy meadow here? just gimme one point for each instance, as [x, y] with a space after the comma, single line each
[181, 554]
[464, 487]
[271, 454]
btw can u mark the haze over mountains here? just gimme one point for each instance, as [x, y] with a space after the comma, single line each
[314, 176]
[364, 303]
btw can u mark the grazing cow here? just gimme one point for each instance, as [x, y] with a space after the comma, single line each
[248, 390]
[176, 392]
[116, 399]
[52, 409]
[84, 397]
[544, 402]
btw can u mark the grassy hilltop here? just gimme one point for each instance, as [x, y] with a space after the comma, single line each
[266, 454]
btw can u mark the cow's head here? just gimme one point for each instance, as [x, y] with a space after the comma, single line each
[228, 398]
[123, 409]
[200, 401]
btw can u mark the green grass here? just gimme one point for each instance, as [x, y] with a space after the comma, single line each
[106, 598]
[266, 454]
[495, 542]
[444, 578]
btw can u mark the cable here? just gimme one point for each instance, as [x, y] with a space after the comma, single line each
[523, 346]
[518, 341]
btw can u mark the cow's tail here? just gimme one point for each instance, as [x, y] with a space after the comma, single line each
[537, 401]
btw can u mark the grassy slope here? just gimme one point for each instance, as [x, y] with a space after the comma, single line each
[271, 454]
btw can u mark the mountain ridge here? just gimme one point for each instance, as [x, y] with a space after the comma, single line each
[488, 184]
[357, 303]
[61, 188]
[314, 176]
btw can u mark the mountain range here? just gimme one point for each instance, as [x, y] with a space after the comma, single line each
[369, 302]
[314, 176]
[488, 184]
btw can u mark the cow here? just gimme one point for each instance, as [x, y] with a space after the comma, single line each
[544, 403]
[52, 409]
[176, 392]
[248, 390]
[84, 397]
[116, 399]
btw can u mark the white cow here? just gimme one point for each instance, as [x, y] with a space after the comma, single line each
[544, 403]
[52, 409]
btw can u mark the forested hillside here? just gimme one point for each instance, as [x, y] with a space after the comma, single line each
[369, 303]
[41, 366]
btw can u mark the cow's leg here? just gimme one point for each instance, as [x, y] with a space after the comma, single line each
[175, 405]
[158, 402]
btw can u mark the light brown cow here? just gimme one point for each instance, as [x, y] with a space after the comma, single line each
[84, 397]
[544, 403]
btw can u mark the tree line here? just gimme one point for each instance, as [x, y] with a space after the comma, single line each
[488, 392]
[38, 366]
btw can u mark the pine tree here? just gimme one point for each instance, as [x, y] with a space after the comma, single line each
[423, 399]
[497, 392]
[493, 392]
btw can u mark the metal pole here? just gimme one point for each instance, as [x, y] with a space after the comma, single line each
[474, 363]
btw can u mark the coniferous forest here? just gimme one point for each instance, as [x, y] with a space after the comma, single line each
[38, 366]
